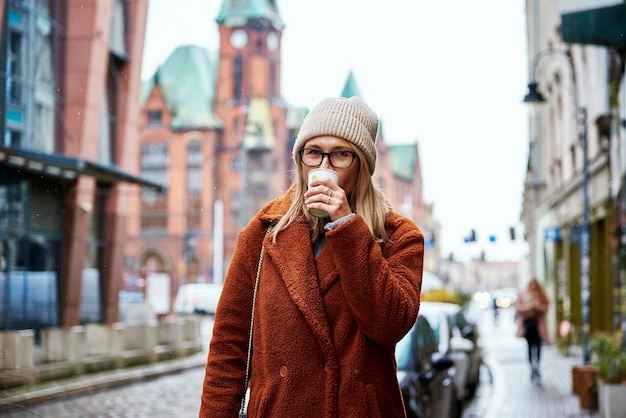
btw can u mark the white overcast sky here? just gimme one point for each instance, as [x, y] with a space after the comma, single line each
[447, 74]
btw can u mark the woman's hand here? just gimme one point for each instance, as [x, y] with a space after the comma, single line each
[324, 194]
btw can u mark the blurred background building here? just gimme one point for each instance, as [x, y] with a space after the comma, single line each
[109, 186]
[69, 105]
[573, 208]
[215, 127]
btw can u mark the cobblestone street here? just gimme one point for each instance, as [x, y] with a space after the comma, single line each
[176, 395]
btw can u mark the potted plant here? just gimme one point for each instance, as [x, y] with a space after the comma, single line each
[609, 356]
[585, 386]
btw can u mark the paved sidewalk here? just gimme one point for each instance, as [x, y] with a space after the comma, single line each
[511, 393]
[56, 389]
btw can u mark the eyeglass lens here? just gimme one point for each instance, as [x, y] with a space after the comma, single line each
[338, 159]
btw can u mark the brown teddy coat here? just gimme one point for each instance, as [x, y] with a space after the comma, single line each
[324, 330]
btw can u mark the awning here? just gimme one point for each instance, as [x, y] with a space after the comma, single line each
[69, 168]
[605, 26]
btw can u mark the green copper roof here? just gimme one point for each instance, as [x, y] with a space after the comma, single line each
[351, 87]
[187, 81]
[239, 12]
[403, 160]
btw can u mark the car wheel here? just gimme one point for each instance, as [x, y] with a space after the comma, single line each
[471, 389]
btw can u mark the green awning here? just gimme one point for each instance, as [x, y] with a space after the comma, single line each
[69, 168]
[605, 26]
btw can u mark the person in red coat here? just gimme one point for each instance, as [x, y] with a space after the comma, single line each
[531, 307]
[335, 294]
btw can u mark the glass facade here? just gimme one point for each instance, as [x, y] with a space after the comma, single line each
[55, 221]
[30, 208]
[29, 84]
[30, 250]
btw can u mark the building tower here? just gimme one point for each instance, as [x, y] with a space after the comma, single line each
[253, 155]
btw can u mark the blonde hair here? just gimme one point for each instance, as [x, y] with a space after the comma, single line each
[366, 200]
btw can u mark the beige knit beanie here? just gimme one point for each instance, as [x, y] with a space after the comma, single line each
[350, 119]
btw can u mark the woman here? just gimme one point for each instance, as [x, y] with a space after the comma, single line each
[335, 295]
[532, 305]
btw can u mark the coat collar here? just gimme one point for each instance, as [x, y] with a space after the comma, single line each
[274, 210]
[292, 255]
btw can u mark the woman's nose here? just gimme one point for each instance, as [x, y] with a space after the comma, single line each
[326, 162]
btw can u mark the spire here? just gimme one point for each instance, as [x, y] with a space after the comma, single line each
[239, 12]
[351, 88]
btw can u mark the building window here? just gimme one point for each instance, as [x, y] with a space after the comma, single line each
[12, 138]
[154, 166]
[44, 80]
[15, 72]
[236, 127]
[30, 249]
[107, 146]
[154, 117]
[29, 85]
[15, 75]
[238, 78]
[194, 185]
[91, 301]
[273, 79]
[118, 44]
[236, 163]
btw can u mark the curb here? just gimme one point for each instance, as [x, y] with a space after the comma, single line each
[74, 386]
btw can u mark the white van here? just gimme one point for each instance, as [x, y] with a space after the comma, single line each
[197, 298]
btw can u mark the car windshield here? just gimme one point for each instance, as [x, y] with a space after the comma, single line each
[435, 323]
[403, 352]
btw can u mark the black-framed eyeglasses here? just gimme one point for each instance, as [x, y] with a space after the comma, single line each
[339, 159]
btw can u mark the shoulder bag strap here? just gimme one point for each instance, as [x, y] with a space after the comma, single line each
[256, 286]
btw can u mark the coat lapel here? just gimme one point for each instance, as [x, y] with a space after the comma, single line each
[293, 256]
[326, 270]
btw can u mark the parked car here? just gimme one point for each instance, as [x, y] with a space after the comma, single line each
[424, 375]
[458, 338]
[197, 298]
[469, 329]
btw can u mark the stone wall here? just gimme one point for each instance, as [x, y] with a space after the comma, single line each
[69, 352]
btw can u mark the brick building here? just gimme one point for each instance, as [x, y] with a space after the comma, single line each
[70, 74]
[217, 130]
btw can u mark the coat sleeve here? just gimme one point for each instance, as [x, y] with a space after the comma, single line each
[223, 386]
[382, 285]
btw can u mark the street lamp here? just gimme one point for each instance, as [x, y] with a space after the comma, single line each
[535, 96]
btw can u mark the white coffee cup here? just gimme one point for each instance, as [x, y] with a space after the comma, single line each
[322, 173]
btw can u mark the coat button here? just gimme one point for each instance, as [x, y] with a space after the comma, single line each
[283, 371]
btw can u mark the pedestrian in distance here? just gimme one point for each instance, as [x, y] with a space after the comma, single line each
[336, 291]
[531, 307]
[496, 309]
